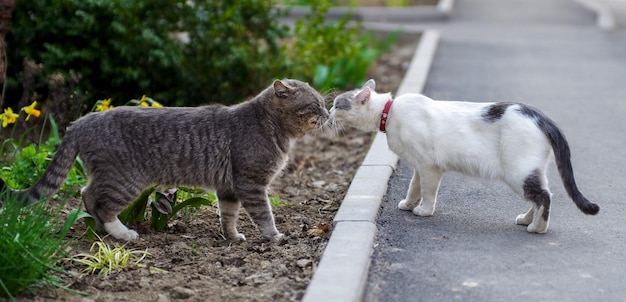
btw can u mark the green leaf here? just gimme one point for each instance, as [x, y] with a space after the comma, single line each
[191, 202]
[276, 202]
[191, 190]
[72, 218]
[158, 221]
[90, 224]
[321, 75]
[136, 211]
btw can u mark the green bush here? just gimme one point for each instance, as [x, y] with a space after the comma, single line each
[122, 48]
[177, 51]
[22, 166]
[331, 54]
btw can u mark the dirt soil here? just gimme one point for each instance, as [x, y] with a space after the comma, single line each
[195, 262]
[387, 2]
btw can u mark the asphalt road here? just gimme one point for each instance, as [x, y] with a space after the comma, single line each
[550, 55]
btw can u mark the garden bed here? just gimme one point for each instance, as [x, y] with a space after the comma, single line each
[386, 11]
[195, 263]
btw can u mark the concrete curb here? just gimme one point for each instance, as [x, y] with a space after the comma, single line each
[605, 18]
[410, 14]
[343, 270]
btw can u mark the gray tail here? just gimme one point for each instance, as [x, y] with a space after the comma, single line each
[562, 155]
[52, 178]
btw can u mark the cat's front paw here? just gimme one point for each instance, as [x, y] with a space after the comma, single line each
[405, 205]
[120, 231]
[422, 211]
[275, 238]
[128, 235]
[238, 237]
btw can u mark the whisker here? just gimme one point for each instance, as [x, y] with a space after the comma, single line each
[335, 126]
[321, 125]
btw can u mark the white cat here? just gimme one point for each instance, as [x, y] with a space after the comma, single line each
[506, 141]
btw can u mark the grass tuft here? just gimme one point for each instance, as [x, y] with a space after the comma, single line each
[107, 259]
[32, 243]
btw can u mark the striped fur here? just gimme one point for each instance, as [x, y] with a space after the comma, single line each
[235, 150]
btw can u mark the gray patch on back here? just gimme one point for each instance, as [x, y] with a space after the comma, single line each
[495, 112]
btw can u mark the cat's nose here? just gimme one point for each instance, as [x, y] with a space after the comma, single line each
[325, 113]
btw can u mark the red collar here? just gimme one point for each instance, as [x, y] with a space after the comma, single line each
[383, 118]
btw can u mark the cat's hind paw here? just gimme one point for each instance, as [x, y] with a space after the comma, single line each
[527, 218]
[538, 228]
[424, 212]
[523, 219]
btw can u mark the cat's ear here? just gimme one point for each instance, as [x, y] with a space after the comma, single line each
[363, 96]
[371, 84]
[282, 89]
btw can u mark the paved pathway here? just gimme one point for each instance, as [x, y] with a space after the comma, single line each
[548, 54]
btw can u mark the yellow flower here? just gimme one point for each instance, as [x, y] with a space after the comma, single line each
[103, 105]
[143, 102]
[8, 117]
[148, 102]
[30, 110]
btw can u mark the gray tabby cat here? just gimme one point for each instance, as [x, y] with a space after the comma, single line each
[235, 150]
